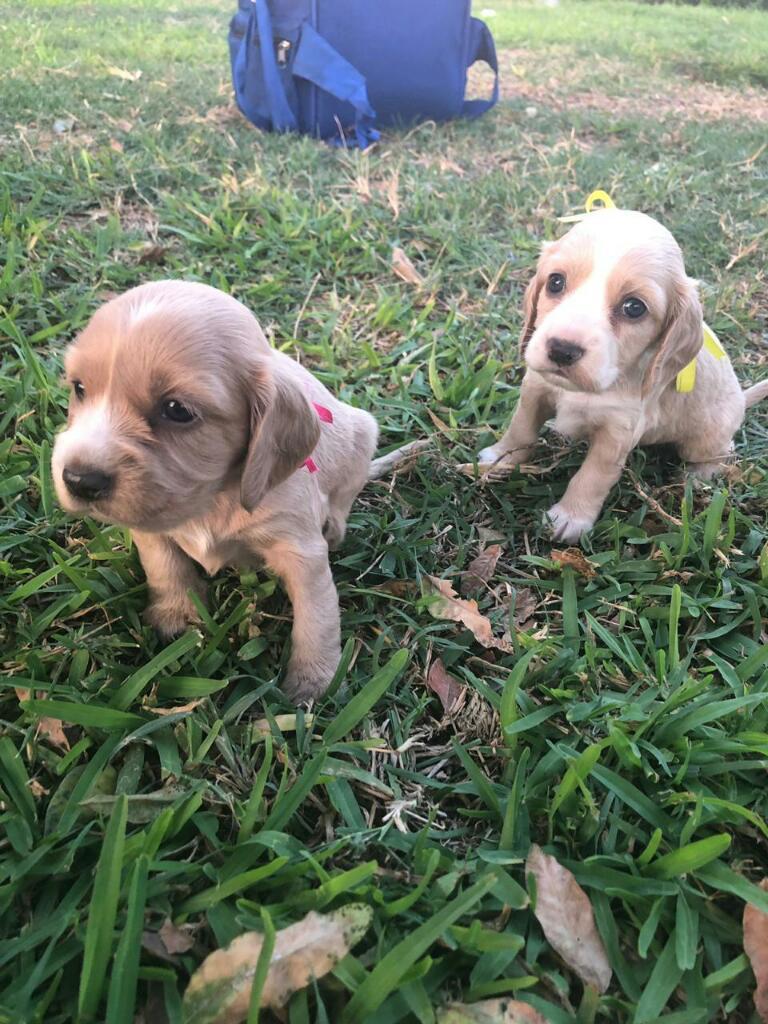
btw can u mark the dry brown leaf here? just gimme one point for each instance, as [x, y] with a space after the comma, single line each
[152, 942]
[404, 269]
[480, 569]
[446, 604]
[285, 723]
[441, 425]
[153, 254]
[175, 939]
[397, 588]
[756, 947]
[565, 914]
[488, 536]
[127, 76]
[526, 601]
[51, 728]
[449, 165]
[393, 197]
[574, 558]
[219, 991]
[179, 709]
[116, 145]
[490, 1011]
[440, 681]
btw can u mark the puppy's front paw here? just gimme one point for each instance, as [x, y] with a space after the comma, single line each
[567, 526]
[169, 618]
[497, 456]
[308, 680]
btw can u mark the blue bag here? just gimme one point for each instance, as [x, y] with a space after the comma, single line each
[340, 69]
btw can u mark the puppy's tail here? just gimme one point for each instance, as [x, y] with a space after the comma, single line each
[393, 460]
[756, 393]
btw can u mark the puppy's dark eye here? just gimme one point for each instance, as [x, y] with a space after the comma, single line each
[633, 308]
[174, 411]
[556, 284]
[79, 390]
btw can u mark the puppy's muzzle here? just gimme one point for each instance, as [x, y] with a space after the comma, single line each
[563, 353]
[87, 484]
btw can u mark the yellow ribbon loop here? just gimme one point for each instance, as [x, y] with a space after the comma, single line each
[597, 200]
[598, 196]
[686, 379]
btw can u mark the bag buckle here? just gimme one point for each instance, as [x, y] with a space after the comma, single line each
[283, 49]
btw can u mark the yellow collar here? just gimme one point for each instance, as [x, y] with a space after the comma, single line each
[686, 379]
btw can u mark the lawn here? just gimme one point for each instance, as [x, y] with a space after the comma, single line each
[624, 728]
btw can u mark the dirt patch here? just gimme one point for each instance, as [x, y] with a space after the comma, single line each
[651, 97]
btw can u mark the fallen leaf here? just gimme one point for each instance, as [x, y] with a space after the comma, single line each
[480, 569]
[574, 558]
[116, 145]
[177, 710]
[526, 601]
[153, 254]
[219, 991]
[397, 588]
[488, 536]
[51, 728]
[152, 942]
[449, 165]
[441, 682]
[38, 789]
[285, 723]
[404, 269]
[392, 195]
[446, 604]
[175, 939]
[490, 1011]
[756, 947]
[127, 76]
[565, 914]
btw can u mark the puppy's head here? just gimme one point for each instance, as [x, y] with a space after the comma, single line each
[611, 301]
[175, 397]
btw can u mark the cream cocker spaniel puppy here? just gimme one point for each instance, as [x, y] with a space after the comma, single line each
[187, 427]
[611, 319]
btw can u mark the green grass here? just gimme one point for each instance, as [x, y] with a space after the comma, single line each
[635, 726]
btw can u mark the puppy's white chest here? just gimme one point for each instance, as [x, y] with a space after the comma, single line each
[579, 415]
[211, 552]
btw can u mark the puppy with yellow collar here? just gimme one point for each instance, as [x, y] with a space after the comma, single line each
[617, 352]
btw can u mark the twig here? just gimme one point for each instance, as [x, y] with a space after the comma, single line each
[393, 460]
[652, 501]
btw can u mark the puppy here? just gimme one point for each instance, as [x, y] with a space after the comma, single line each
[186, 426]
[610, 320]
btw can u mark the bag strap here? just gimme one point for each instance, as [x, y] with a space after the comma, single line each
[259, 27]
[481, 47]
[316, 61]
[319, 63]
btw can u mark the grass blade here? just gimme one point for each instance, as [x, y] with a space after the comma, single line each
[363, 701]
[125, 970]
[387, 974]
[102, 913]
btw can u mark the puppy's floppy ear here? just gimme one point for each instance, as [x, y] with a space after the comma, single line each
[680, 339]
[530, 311]
[531, 300]
[284, 432]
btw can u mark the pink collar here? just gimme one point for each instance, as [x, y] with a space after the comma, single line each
[326, 416]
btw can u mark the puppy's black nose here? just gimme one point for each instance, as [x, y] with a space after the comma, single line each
[88, 484]
[564, 353]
